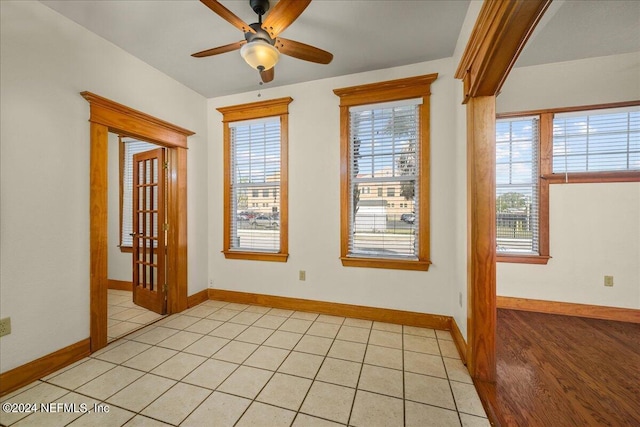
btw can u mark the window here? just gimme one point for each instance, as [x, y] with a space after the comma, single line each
[597, 141]
[535, 149]
[128, 148]
[517, 192]
[385, 145]
[255, 162]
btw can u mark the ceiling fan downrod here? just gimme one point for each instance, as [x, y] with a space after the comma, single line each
[260, 7]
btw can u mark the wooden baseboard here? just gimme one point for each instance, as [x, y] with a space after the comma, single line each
[629, 315]
[459, 341]
[23, 375]
[197, 298]
[120, 285]
[409, 318]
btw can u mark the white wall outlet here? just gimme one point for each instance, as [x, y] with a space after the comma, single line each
[608, 280]
[460, 298]
[210, 282]
[5, 326]
[302, 275]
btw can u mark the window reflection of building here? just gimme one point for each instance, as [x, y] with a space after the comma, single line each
[388, 195]
[263, 199]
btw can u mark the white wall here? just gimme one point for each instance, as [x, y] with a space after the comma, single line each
[460, 274]
[565, 84]
[594, 228]
[46, 61]
[314, 203]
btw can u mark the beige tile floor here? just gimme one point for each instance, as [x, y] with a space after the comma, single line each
[221, 364]
[123, 316]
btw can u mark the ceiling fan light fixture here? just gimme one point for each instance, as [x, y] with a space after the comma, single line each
[259, 54]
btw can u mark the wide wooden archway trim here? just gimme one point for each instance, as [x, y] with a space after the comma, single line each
[108, 116]
[501, 31]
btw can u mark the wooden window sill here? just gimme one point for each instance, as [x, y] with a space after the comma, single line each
[394, 264]
[127, 249]
[524, 259]
[592, 177]
[256, 256]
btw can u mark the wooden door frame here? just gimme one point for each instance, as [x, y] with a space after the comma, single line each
[109, 116]
[499, 35]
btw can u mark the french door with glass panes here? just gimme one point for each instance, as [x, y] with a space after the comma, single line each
[149, 230]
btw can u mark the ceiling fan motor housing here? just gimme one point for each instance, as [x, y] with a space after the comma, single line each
[259, 34]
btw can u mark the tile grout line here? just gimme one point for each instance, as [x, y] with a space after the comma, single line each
[289, 351]
[404, 388]
[364, 356]
[270, 377]
[315, 377]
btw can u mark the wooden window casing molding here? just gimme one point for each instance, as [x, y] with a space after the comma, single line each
[392, 90]
[547, 176]
[545, 129]
[258, 110]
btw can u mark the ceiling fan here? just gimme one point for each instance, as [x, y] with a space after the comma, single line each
[263, 45]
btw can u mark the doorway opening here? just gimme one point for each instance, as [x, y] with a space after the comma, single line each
[108, 116]
[137, 293]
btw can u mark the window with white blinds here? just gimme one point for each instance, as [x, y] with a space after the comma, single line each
[255, 185]
[597, 140]
[517, 189]
[129, 147]
[384, 180]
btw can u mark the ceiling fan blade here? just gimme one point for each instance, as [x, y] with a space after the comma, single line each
[303, 51]
[267, 75]
[227, 15]
[283, 14]
[218, 50]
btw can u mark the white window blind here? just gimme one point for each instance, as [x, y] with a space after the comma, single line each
[597, 141]
[517, 175]
[383, 176]
[255, 185]
[131, 147]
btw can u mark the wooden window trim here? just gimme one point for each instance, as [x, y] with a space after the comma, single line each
[591, 177]
[392, 90]
[548, 177]
[545, 129]
[523, 259]
[257, 110]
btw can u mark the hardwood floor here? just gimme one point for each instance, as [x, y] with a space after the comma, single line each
[564, 371]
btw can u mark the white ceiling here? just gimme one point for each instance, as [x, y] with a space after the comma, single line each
[571, 30]
[362, 35]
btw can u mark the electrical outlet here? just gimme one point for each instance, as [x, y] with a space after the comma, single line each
[210, 282]
[608, 280]
[302, 275]
[460, 298]
[5, 326]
